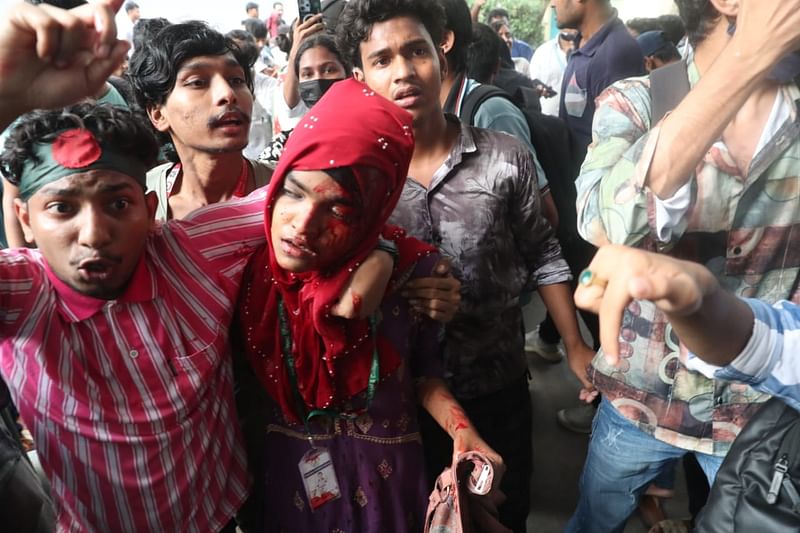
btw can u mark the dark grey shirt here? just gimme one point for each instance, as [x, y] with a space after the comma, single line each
[483, 210]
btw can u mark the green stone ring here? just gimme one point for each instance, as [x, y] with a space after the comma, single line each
[588, 278]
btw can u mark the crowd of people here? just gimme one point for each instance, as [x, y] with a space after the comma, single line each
[272, 280]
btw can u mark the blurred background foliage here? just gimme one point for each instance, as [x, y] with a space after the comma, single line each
[526, 17]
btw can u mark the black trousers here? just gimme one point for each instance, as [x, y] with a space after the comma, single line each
[503, 419]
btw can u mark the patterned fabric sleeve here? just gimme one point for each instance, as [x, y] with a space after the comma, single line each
[534, 236]
[770, 362]
[614, 204]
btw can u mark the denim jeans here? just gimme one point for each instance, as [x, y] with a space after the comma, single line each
[621, 463]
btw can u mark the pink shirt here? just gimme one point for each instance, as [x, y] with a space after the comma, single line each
[131, 401]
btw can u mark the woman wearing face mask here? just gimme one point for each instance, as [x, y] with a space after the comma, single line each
[314, 65]
[342, 449]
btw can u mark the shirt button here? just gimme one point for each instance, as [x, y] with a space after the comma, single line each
[134, 353]
[737, 251]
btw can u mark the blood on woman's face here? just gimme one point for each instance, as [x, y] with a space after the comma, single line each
[315, 222]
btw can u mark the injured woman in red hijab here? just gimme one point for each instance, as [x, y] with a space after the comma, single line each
[340, 448]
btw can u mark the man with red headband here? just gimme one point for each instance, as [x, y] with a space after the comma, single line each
[115, 331]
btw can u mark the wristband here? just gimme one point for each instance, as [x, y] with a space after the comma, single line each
[389, 247]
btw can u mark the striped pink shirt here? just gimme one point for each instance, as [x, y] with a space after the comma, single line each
[131, 401]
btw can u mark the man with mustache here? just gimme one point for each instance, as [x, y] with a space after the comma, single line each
[196, 86]
[115, 331]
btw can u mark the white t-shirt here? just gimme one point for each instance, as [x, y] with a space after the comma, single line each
[547, 65]
[261, 119]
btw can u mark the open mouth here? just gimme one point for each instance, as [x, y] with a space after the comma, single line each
[230, 120]
[295, 248]
[93, 270]
[407, 97]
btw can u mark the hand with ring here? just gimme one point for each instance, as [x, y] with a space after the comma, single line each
[618, 275]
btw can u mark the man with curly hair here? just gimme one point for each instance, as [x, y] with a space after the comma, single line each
[473, 193]
[115, 330]
[196, 86]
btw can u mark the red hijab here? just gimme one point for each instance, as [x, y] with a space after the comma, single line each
[351, 127]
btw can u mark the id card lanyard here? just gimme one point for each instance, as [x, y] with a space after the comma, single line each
[287, 345]
[316, 466]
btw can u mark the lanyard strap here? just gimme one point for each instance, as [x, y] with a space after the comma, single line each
[287, 348]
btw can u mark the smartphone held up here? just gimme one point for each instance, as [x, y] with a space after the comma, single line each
[308, 8]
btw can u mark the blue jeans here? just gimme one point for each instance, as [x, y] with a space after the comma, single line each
[621, 463]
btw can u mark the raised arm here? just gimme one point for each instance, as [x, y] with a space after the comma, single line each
[50, 57]
[302, 30]
[475, 10]
[766, 31]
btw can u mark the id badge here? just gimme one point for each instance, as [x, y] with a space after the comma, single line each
[319, 477]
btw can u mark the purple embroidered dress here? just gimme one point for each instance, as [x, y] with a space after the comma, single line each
[378, 457]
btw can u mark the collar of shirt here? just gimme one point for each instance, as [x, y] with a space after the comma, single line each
[465, 144]
[76, 307]
[591, 47]
[455, 98]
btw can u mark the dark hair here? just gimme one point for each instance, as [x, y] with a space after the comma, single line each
[154, 68]
[497, 24]
[673, 28]
[130, 6]
[358, 17]
[483, 57]
[319, 39]
[285, 38]
[146, 29]
[246, 43]
[127, 130]
[124, 88]
[256, 28]
[496, 13]
[698, 16]
[63, 4]
[643, 25]
[331, 9]
[346, 178]
[667, 53]
[459, 21]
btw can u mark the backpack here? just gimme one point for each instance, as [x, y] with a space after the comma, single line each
[551, 139]
[758, 485]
